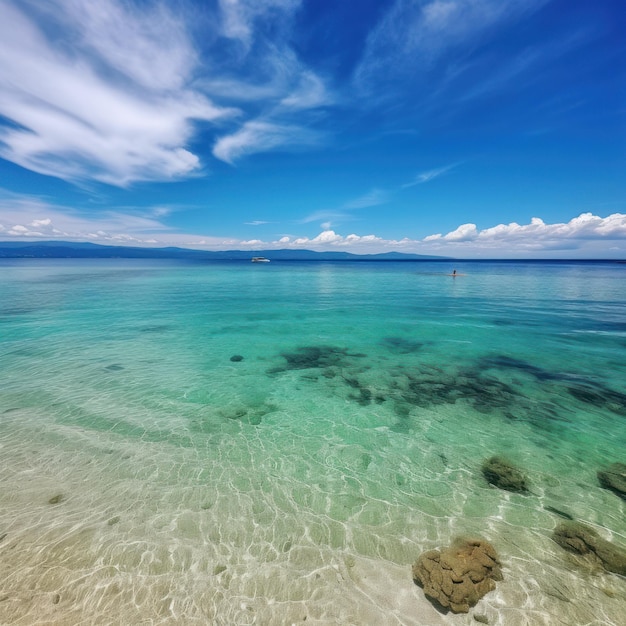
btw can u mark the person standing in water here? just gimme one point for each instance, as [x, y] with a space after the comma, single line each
[453, 272]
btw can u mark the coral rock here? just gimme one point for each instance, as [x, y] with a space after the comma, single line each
[460, 575]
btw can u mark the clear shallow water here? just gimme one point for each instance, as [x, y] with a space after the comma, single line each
[302, 481]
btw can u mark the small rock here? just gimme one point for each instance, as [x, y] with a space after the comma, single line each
[614, 478]
[236, 358]
[114, 520]
[56, 598]
[504, 475]
[56, 499]
[582, 539]
[218, 569]
[479, 617]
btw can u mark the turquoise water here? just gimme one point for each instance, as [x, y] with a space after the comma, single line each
[148, 478]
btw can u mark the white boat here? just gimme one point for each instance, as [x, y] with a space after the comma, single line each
[260, 259]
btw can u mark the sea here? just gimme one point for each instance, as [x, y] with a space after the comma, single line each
[234, 444]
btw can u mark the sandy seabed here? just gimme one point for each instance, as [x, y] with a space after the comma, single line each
[98, 530]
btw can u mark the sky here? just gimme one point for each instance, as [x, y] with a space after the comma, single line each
[463, 128]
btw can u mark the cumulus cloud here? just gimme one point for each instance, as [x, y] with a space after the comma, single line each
[465, 232]
[111, 102]
[584, 236]
[583, 232]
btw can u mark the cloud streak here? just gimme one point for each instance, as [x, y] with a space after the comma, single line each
[121, 97]
[262, 136]
[112, 104]
[427, 176]
[277, 91]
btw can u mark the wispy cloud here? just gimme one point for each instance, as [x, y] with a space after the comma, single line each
[346, 212]
[30, 218]
[427, 176]
[112, 102]
[372, 198]
[413, 35]
[328, 217]
[239, 16]
[267, 80]
[261, 136]
[121, 97]
[432, 54]
[256, 223]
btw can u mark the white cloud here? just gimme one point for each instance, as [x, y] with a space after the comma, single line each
[151, 47]
[427, 176]
[110, 102]
[310, 92]
[261, 136]
[413, 35]
[465, 232]
[34, 219]
[585, 236]
[239, 16]
[372, 198]
[267, 79]
[587, 232]
[585, 226]
[119, 97]
[327, 217]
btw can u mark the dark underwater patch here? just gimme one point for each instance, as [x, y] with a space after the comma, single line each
[600, 396]
[315, 357]
[401, 345]
[507, 362]
[155, 328]
[114, 367]
[485, 393]
[11, 311]
[560, 513]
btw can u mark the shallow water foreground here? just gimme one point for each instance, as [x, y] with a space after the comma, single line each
[145, 477]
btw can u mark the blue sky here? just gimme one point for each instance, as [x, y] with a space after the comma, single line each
[468, 128]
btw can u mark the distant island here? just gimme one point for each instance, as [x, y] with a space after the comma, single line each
[78, 250]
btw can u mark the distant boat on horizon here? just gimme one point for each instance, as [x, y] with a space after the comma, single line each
[260, 259]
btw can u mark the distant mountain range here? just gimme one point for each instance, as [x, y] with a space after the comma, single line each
[71, 250]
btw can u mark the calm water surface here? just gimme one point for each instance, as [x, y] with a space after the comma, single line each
[147, 476]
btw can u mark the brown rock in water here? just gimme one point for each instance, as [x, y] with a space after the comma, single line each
[582, 539]
[503, 474]
[460, 575]
[614, 478]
